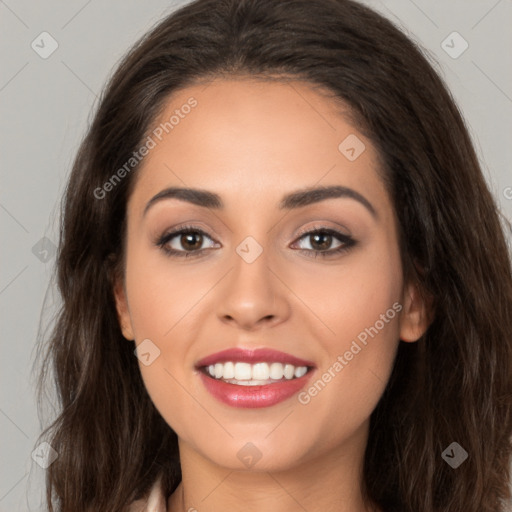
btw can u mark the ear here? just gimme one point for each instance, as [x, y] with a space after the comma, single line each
[416, 314]
[123, 313]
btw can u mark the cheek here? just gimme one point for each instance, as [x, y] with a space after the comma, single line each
[363, 313]
[353, 296]
[166, 303]
[161, 293]
[162, 310]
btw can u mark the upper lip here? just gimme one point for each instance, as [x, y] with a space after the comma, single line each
[252, 356]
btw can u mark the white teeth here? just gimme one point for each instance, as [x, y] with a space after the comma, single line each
[300, 371]
[242, 371]
[288, 371]
[229, 370]
[260, 371]
[247, 374]
[276, 371]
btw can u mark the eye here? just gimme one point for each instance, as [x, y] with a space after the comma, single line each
[321, 239]
[190, 238]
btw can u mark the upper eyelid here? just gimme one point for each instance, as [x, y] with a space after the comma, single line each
[322, 227]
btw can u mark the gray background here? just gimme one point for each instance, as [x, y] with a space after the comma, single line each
[46, 104]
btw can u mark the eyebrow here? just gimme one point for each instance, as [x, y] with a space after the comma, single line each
[297, 199]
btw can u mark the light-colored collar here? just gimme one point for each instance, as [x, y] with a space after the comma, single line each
[154, 502]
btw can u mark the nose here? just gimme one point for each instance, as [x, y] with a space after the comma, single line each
[253, 296]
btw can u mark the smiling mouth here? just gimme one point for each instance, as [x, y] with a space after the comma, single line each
[257, 374]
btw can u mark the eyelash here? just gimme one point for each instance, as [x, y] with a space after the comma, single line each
[347, 241]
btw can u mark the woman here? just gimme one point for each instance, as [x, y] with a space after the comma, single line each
[278, 210]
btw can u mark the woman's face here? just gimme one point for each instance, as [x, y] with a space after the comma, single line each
[254, 278]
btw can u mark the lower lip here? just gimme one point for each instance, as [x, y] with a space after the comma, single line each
[254, 396]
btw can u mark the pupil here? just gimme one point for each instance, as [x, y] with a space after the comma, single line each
[186, 238]
[325, 244]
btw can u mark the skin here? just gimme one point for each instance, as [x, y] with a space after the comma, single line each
[252, 142]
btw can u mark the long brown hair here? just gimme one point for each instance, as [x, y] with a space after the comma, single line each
[453, 385]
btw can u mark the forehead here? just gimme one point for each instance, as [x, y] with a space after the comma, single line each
[247, 138]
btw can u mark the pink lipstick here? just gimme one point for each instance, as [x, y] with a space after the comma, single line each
[253, 378]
